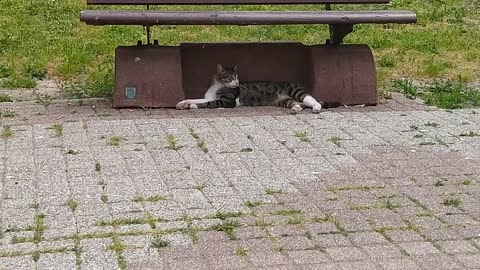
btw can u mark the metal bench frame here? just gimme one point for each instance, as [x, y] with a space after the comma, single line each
[128, 92]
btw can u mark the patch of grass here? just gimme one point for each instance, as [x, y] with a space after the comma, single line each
[72, 152]
[418, 136]
[104, 198]
[39, 228]
[120, 222]
[6, 113]
[118, 248]
[302, 136]
[98, 166]
[432, 124]
[391, 205]
[172, 142]
[72, 204]
[270, 191]
[466, 182]
[19, 82]
[335, 140]
[159, 243]
[115, 140]
[470, 134]
[240, 251]
[202, 145]
[246, 150]
[287, 212]
[453, 202]
[228, 227]
[252, 204]
[5, 98]
[153, 198]
[263, 223]
[7, 133]
[225, 215]
[346, 188]
[295, 220]
[193, 134]
[426, 143]
[439, 183]
[200, 187]
[406, 87]
[58, 129]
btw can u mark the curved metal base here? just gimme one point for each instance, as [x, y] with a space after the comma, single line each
[159, 76]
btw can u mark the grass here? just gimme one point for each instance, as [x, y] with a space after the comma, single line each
[470, 134]
[444, 94]
[228, 227]
[391, 205]
[159, 243]
[115, 141]
[253, 204]
[6, 113]
[271, 191]
[58, 129]
[466, 182]
[7, 133]
[453, 202]
[302, 136]
[154, 198]
[240, 251]
[5, 98]
[200, 187]
[98, 167]
[288, 212]
[202, 145]
[72, 204]
[432, 124]
[335, 140]
[172, 142]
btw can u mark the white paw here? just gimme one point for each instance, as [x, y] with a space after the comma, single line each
[183, 105]
[296, 109]
[193, 106]
[317, 108]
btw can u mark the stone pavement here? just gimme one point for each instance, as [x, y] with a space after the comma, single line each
[390, 187]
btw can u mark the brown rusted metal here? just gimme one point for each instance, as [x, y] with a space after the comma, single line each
[230, 2]
[147, 76]
[117, 17]
[162, 76]
[338, 32]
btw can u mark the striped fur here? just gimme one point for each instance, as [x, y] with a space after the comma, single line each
[229, 93]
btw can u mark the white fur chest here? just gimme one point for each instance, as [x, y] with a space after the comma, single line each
[211, 93]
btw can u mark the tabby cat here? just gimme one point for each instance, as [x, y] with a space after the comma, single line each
[227, 92]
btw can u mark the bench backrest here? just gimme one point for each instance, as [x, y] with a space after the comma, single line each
[230, 2]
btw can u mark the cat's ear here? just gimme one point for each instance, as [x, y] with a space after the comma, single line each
[220, 68]
[235, 68]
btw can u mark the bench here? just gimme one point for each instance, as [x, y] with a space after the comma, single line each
[151, 75]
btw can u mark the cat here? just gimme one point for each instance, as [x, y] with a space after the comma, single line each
[226, 91]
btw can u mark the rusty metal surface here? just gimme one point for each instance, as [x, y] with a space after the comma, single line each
[344, 74]
[131, 17]
[153, 73]
[229, 2]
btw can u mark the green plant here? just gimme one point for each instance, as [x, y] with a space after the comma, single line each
[172, 142]
[302, 136]
[252, 204]
[406, 87]
[227, 226]
[201, 144]
[470, 134]
[432, 124]
[7, 133]
[7, 113]
[19, 82]
[58, 129]
[335, 140]
[5, 98]
[115, 140]
[72, 204]
[240, 251]
[159, 243]
[270, 191]
[98, 166]
[454, 202]
[391, 205]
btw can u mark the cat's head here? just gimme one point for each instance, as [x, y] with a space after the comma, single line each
[227, 76]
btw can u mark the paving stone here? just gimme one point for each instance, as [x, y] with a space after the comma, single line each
[384, 251]
[470, 261]
[187, 264]
[16, 263]
[250, 232]
[419, 248]
[345, 253]
[367, 238]
[308, 256]
[404, 236]
[360, 264]
[268, 258]
[438, 262]
[57, 261]
[332, 240]
[452, 247]
[296, 243]
[227, 263]
[398, 264]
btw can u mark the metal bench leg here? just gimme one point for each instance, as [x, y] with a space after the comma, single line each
[338, 32]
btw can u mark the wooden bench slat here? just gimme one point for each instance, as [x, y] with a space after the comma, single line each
[120, 17]
[230, 2]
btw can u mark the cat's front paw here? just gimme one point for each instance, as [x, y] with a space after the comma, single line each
[317, 108]
[296, 109]
[182, 105]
